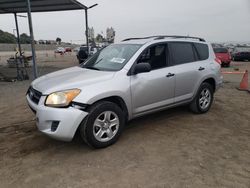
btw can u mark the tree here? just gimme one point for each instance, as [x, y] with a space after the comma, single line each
[6, 37]
[58, 40]
[25, 39]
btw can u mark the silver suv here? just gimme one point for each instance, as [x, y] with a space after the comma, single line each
[123, 81]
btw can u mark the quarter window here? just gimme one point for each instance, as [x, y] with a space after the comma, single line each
[182, 52]
[202, 50]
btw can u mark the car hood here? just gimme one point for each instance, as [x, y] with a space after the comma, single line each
[70, 78]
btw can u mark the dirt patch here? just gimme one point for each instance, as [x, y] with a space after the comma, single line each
[173, 148]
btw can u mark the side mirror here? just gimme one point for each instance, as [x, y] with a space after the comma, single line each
[142, 67]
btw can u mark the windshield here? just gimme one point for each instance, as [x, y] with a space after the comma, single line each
[112, 58]
[220, 50]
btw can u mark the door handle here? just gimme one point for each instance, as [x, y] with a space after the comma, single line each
[170, 75]
[201, 69]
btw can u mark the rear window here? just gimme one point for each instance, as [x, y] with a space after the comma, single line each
[84, 48]
[202, 50]
[242, 49]
[182, 52]
[220, 50]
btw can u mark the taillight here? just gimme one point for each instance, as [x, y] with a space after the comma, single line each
[218, 60]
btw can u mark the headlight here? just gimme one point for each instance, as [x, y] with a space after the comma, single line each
[61, 98]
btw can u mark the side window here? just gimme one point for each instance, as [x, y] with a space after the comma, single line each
[202, 50]
[182, 52]
[155, 56]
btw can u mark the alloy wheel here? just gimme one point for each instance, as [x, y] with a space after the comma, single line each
[205, 98]
[106, 126]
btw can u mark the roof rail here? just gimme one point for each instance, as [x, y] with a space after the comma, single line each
[178, 37]
[137, 38]
[158, 37]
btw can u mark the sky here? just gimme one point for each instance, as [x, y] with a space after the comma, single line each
[214, 20]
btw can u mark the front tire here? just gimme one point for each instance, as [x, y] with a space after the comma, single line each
[203, 100]
[103, 126]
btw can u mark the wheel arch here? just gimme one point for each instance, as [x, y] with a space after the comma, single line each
[116, 100]
[211, 81]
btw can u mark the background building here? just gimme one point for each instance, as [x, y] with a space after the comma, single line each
[91, 34]
[110, 35]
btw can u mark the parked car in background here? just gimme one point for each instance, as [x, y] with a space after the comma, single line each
[241, 54]
[93, 50]
[68, 49]
[60, 50]
[76, 49]
[121, 82]
[82, 54]
[223, 55]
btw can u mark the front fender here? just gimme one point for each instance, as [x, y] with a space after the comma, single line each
[114, 88]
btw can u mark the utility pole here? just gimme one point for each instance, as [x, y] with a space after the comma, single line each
[32, 40]
[87, 27]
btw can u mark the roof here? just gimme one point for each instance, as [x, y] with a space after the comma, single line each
[20, 6]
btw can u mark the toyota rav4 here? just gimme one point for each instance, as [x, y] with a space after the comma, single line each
[123, 81]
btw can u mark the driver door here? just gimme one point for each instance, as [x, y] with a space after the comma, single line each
[155, 89]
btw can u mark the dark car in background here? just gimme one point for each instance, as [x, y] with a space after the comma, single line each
[241, 54]
[223, 55]
[82, 54]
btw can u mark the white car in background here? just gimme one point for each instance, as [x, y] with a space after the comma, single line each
[60, 50]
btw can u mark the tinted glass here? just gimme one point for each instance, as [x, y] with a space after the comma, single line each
[84, 48]
[242, 49]
[220, 50]
[155, 56]
[112, 58]
[202, 50]
[182, 53]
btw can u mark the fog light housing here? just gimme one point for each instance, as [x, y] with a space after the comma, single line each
[54, 125]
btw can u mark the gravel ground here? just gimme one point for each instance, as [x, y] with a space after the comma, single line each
[172, 148]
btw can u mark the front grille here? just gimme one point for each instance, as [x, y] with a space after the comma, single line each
[34, 95]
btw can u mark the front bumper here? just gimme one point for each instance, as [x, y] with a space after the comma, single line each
[66, 120]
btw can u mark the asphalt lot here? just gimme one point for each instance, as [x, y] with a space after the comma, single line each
[172, 148]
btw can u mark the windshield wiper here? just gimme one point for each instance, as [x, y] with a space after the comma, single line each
[98, 61]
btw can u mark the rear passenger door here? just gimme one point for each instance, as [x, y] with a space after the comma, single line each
[188, 69]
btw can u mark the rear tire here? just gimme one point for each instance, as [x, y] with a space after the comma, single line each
[103, 126]
[203, 99]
